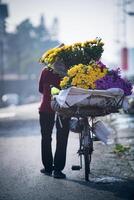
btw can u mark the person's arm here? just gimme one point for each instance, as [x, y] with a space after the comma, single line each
[48, 80]
[41, 83]
[44, 81]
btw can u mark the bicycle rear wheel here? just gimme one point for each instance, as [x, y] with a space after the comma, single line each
[87, 160]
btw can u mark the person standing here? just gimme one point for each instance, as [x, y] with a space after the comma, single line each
[57, 162]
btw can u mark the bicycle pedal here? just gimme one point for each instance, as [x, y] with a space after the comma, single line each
[76, 167]
[95, 139]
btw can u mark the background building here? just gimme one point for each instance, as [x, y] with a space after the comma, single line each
[20, 52]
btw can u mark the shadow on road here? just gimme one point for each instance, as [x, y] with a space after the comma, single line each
[123, 189]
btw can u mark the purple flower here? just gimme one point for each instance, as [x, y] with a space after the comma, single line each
[114, 80]
[101, 65]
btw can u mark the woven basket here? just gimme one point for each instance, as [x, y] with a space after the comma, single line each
[83, 111]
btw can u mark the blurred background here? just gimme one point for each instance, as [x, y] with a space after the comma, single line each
[29, 28]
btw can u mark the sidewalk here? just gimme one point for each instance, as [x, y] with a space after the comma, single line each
[130, 158]
[123, 164]
[107, 163]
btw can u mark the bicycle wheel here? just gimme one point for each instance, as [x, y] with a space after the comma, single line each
[87, 160]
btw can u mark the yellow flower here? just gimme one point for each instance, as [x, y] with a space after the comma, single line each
[72, 71]
[64, 82]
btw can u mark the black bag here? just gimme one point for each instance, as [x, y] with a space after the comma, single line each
[75, 125]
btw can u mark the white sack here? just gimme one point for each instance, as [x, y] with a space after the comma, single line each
[101, 131]
[74, 95]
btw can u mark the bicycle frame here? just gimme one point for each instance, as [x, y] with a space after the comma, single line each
[85, 145]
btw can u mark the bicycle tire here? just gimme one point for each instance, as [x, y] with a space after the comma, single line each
[87, 160]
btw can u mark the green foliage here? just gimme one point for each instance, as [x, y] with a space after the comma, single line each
[119, 148]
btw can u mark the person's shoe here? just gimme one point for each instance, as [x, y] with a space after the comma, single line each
[59, 174]
[48, 173]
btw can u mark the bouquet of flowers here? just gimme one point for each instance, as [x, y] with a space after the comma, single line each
[86, 78]
[94, 88]
[95, 75]
[62, 58]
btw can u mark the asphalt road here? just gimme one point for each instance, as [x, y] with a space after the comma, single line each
[20, 163]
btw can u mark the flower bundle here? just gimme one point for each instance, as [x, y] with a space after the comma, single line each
[74, 54]
[80, 66]
[95, 75]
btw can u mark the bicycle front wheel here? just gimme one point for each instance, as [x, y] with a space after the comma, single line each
[87, 160]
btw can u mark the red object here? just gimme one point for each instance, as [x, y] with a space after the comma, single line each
[47, 79]
[124, 58]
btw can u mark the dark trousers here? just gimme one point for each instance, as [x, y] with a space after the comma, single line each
[62, 130]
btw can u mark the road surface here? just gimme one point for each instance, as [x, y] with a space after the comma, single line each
[20, 179]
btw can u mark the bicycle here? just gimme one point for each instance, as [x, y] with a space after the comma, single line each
[83, 127]
[85, 144]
